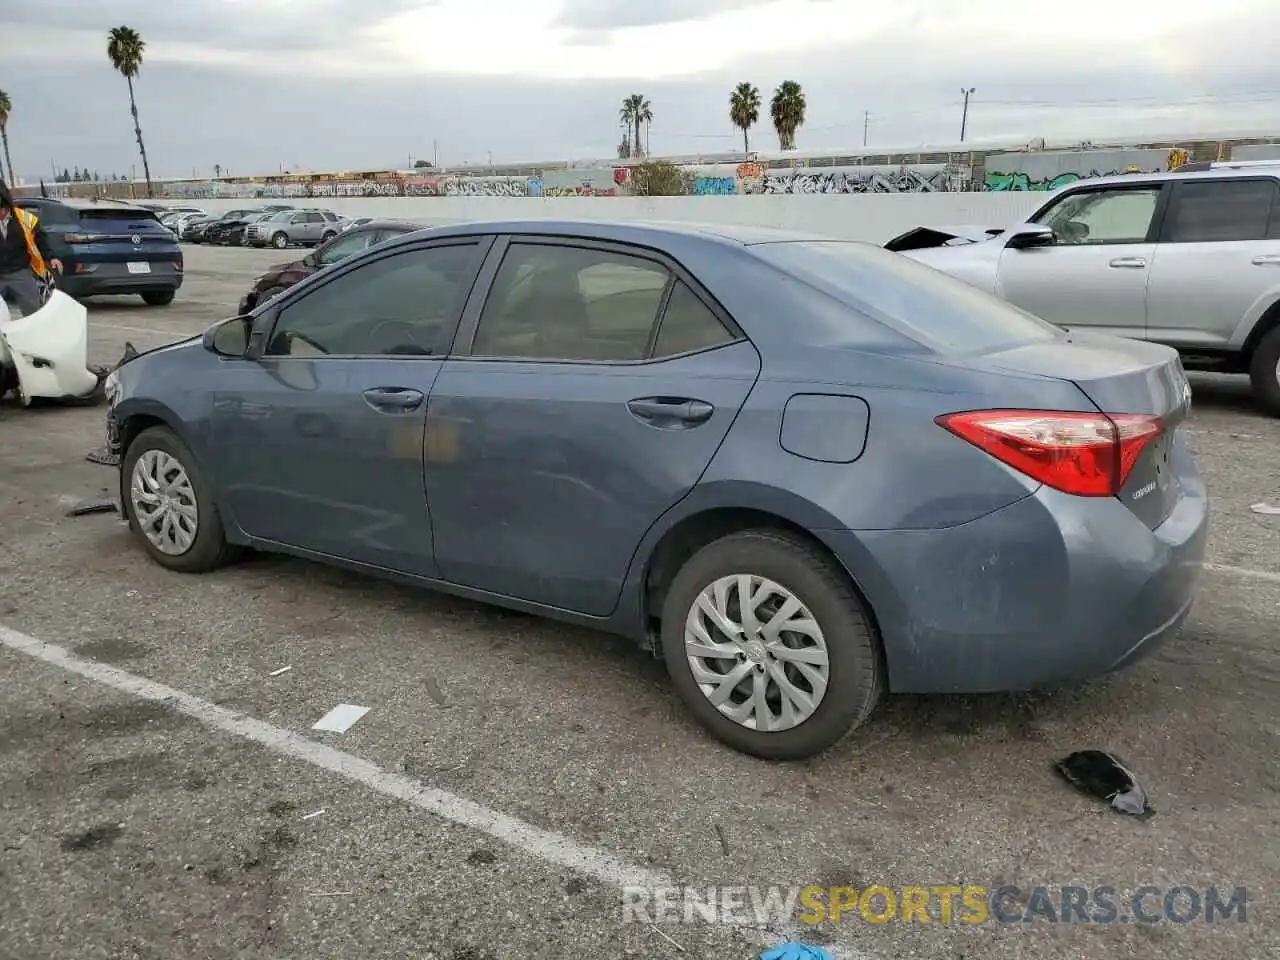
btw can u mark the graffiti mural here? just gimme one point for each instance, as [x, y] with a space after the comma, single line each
[1049, 170]
[714, 186]
[921, 178]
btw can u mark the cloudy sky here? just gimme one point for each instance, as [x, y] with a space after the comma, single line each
[254, 85]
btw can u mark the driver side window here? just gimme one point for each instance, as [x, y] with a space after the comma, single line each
[403, 305]
[1121, 215]
[341, 249]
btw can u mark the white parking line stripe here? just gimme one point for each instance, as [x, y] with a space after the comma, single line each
[542, 844]
[1248, 572]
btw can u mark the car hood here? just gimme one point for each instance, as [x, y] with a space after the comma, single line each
[918, 238]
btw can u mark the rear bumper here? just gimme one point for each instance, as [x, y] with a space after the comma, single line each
[115, 278]
[1052, 589]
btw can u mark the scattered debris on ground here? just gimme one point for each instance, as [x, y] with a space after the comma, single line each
[1101, 775]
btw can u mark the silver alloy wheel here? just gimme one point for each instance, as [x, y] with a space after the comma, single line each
[164, 502]
[757, 653]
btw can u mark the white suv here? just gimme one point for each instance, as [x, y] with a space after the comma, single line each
[1188, 258]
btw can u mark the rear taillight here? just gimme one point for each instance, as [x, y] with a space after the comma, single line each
[1086, 454]
[85, 237]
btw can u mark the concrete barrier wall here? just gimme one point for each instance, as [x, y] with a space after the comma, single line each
[870, 217]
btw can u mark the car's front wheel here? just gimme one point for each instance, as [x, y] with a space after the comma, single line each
[169, 505]
[770, 646]
[329, 235]
[1264, 372]
[280, 240]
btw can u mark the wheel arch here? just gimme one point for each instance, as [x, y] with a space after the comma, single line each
[721, 509]
[1267, 321]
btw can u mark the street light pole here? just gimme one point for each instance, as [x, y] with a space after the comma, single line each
[866, 122]
[964, 117]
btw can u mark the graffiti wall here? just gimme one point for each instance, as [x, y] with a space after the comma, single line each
[1049, 170]
[918, 178]
[599, 182]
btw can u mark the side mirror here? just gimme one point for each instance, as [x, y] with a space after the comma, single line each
[312, 259]
[1029, 237]
[230, 338]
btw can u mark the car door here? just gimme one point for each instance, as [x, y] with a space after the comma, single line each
[593, 385]
[1095, 275]
[318, 434]
[1217, 262]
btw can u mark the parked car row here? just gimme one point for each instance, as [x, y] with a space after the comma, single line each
[276, 225]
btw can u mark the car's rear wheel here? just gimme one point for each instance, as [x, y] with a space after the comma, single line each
[169, 505]
[770, 646]
[158, 298]
[1264, 372]
[280, 240]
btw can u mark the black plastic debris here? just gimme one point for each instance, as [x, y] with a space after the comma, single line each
[97, 506]
[1101, 775]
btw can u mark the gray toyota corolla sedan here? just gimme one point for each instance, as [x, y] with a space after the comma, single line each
[803, 471]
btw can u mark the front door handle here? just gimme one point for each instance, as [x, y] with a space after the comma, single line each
[393, 399]
[671, 412]
[1133, 263]
[1267, 260]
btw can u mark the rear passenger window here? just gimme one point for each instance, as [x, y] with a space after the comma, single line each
[687, 325]
[552, 302]
[1220, 211]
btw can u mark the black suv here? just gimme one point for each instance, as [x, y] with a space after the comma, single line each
[110, 247]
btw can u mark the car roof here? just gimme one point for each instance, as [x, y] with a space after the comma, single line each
[77, 203]
[640, 233]
[1214, 173]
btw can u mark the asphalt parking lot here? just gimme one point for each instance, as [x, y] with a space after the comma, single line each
[555, 763]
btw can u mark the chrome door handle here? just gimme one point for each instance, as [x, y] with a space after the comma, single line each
[1267, 260]
[1133, 263]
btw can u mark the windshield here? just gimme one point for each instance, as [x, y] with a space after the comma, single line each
[945, 314]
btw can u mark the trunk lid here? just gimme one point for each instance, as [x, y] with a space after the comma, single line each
[1120, 377]
[105, 234]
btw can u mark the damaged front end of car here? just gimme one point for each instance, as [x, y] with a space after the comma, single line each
[110, 453]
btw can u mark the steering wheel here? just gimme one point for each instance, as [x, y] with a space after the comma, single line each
[410, 332]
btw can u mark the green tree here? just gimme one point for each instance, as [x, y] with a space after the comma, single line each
[787, 111]
[66, 176]
[6, 108]
[635, 111]
[125, 49]
[744, 109]
[660, 178]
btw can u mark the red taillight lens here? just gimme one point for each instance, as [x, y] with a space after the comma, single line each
[85, 237]
[1086, 454]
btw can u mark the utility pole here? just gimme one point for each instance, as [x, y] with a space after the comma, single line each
[964, 117]
[866, 122]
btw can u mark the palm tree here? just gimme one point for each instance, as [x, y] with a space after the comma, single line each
[744, 109]
[125, 48]
[6, 108]
[787, 110]
[635, 111]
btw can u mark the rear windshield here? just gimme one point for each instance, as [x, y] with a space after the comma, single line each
[120, 213]
[943, 313]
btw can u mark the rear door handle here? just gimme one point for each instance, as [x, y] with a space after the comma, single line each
[671, 412]
[393, 399]
[1267, 260]
[1132, 263]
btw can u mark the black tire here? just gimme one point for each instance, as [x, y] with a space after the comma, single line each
[269, 294]
[158, 298]
[210, 549]
[280, 240]
[856, 678]
[1263, 373]
[327, 237]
